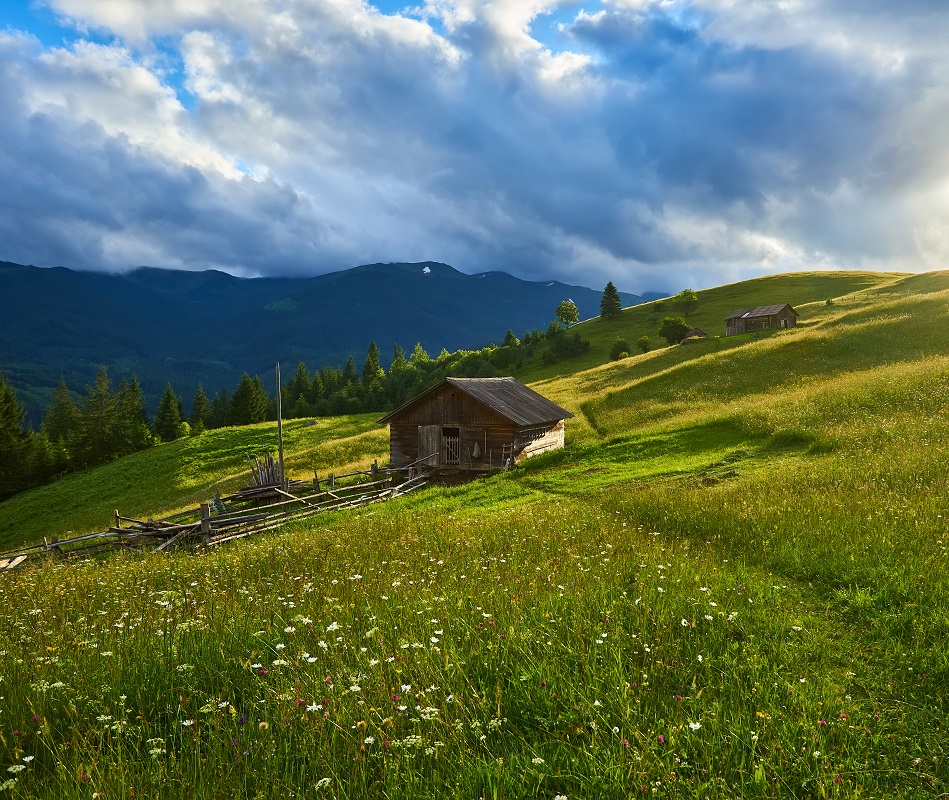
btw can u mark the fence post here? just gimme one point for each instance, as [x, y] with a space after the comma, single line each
[205, 522]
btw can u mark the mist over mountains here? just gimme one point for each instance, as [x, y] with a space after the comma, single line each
[209, 327]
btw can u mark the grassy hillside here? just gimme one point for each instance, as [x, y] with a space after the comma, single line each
[187, 472]
[732, 583]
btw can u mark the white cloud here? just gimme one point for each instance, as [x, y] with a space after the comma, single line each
[645, 140]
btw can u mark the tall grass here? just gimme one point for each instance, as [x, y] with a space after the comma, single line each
[171, 476]
[734, 584]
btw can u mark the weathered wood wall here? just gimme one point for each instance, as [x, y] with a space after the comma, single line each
[532, 441]
[491, 440]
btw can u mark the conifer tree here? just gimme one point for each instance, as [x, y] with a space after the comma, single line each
[168, 416]
[419, 356]
[132, 432]
[510, 340]
[61, 420]
[98, 422]
[398, 359]
[200, 417]
[14, 441]
[299, 384]
[250, 402]
[220, 409]
[317, 389]
[611, 305]
[372, 369]
[350, 375]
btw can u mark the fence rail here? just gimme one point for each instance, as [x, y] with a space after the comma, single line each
[254, 509]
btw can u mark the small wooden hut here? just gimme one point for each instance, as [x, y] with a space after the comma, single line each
[693, 335]
[475, 424]
[760, 318]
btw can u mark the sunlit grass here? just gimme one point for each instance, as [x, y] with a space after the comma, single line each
[733, 582]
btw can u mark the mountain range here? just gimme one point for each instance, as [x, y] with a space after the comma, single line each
[209, 327]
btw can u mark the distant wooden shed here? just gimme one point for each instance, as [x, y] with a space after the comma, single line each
[475, 424]
[760, 318]
[693, 334]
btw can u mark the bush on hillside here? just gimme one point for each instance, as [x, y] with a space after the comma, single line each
[673, 329]
[619, 349]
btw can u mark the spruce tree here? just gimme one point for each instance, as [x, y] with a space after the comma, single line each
[372, 368]
[98, 441]
[610, 305]
[168, 416]
[132, 432]
[350, 375]
[61, 420]
[398, 359]
[317, 389]
[14, 441]
[250, 402]
[419, 356]
[200, 417]
[299, 384]
[220, 409]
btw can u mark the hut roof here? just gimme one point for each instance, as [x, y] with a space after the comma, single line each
[694, 332]
[508, 397]
[760, 311]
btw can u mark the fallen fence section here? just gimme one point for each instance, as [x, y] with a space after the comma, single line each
[253, 509]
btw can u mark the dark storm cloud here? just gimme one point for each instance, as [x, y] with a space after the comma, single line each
[696, 141]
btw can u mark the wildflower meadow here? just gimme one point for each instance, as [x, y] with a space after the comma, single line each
[718, 598]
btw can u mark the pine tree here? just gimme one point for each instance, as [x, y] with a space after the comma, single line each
[14, 442]
[350, 375]
[398, 359]
[132, 432]
[610, 305]
[249, 403]
[98, 422]
[372, 369]
[200, 418]
[220, 409]
[299, 384]
[419, 356]
[317, 389]
[168, 416]
[61, 420]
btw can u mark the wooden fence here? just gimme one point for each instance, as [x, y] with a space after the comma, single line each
[268, 504]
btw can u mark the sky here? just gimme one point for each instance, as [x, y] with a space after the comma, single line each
[659, 144]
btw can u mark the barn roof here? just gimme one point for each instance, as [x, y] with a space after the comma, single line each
[760, 311]
[508, 397]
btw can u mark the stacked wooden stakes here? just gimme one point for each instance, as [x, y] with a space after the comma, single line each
[264, 506]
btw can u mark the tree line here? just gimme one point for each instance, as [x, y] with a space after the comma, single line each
[83, 430]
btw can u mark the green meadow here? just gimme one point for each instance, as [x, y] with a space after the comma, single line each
[732, 583]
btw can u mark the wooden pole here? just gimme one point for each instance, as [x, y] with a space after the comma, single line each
[205, 521]
[283, 474]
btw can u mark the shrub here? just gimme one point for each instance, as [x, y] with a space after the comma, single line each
[644, 343]
[673, 329]
[619, 349]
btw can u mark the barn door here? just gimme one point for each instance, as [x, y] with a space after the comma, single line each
[429, 439]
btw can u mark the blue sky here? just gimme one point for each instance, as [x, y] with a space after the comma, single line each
[655, 143]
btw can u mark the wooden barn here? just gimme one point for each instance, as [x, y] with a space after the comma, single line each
[760, 318]
[475, 424]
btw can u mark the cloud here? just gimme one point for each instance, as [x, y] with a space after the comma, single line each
[639, 141]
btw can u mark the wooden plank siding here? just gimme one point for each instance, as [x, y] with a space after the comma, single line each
[473, 425]
[761, 318]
